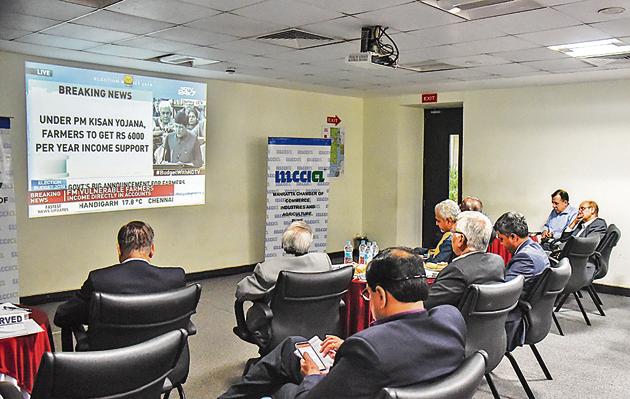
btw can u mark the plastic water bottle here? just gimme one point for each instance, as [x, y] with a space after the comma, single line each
[347, 252]
[368, 253]
[362, 252]
[374, 249]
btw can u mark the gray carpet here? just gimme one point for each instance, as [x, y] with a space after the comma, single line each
[588, 362]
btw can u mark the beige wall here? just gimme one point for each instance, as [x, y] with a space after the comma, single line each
[519, 146]
[56, 253]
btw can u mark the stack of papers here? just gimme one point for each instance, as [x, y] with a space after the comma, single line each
[15, 322]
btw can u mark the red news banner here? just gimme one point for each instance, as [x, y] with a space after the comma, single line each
[101, 191]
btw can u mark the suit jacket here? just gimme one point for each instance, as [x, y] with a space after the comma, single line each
[451, 283]
[598, 226]
[443, 252]
[132, 277]
[263, 280]
[528, 261]
[405, 349]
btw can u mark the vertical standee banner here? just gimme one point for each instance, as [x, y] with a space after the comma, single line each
[297, 189]
[9, 283]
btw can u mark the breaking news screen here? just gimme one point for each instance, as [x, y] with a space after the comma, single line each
[102, 141]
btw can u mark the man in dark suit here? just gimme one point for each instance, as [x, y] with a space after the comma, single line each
[586, 224]
[528, 260]
[133, 275]
[406, 345]
[472, 264]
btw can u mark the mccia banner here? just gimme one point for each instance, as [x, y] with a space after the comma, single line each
[297, 189]
[9, 283]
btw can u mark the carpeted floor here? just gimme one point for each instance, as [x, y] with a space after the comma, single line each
[588, 362]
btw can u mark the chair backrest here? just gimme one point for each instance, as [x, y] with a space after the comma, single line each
[578, 250]
[542, 298]
[134, 372]
[460, 384]
[118, 320]
[308, 304]
[602, 253]
[485, 308]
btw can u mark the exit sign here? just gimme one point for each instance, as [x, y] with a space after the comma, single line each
[429, 98]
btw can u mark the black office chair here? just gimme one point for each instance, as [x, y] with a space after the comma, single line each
[485, 309]
[578, 250]
[538, 312]
[460, 384]
[305, 304]
[118, 320]
[600, 259]
[133, 372]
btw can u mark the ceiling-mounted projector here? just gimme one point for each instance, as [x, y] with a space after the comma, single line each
[371, 46]
[369, 59]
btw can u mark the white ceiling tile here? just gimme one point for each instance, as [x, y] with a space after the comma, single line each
[474, 60]
[625, 39]
[550, 3]
[10, 34]
[565, 64]
[410, 16]
[163, 10]
[510, 70]
[411, 41]
[125, 51]
[463, 74]
[354, 6]
[210, 53]
[287, 12]
[322, 53]
[57, 41]
[496, 44]
[122, 22]
[156, 44]
[533, 54]
[434, 53]
[617, 27]
[193, 36]
[235, 25]
[459, 32]
[52, 9]
[347, 28]
[254, 47]
[87, 33]
[223, 5]
[530, 21]
[25, 22]
[586, 11]
[573, 34]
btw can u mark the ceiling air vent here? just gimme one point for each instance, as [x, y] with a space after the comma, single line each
[428, 66]
[613, 59]
[297, 39]
[477, 9]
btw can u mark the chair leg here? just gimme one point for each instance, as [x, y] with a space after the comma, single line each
[596, 295]
[180, 391]
[493, 388]
[555, 320]
[590, 290]
[541, 362]
[520, 375]
[579, 294]
[588, 322]
[563, 299]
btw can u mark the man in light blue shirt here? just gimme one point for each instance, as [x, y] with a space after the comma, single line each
[560, 217]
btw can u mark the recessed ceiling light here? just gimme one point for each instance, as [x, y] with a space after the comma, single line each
[611, 10]
[592, 49]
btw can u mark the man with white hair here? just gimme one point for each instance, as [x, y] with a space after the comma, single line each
[445, 217]
[471, 266]
[296, 241]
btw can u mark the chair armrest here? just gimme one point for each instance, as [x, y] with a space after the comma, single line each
[191, 328]
[241, 328]
[342, 305]
[9, 391]
[524, 306]
[553, 260]
[69, 335]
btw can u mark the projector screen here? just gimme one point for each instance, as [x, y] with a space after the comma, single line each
[103, 141]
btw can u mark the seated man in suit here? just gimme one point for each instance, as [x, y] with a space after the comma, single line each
[472, 264]
[529, 260]
[133, 275]
[586, 224]
[296, 241]
[406, 345]
[445, 217]
[471, 204]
